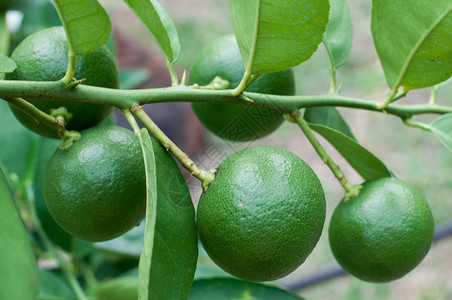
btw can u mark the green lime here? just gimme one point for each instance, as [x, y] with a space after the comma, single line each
[262, 215]
[54, 231]
[384, 232]
[43, 56]
[96, 189]
[237, 122]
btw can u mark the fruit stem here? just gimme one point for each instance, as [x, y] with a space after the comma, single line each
[206, 177]
[29, 195]
[55, 123]
[38, 115]
[351, 190]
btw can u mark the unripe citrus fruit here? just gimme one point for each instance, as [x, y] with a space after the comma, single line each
[262, 215]
[96, 189]
[43, 56]
[237, 122]
[384, 232]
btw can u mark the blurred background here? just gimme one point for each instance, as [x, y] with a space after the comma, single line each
[413, 155]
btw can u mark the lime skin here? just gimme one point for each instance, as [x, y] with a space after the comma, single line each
[237, 122]
[96, 189]
[383, 233]
[43, 56]
[262, 215]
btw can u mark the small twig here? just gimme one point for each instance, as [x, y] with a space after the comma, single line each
[411, 123]
[351, 190]
[38, 115]
[206, 177]
[57, 124]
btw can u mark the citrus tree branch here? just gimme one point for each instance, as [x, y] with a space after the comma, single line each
[38, 115]
[55, 123]
[125, 99]
[351, 190]
[206, 177]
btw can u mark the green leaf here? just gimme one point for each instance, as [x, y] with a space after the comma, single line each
[170, 251]
[45, 151]
[122, 288]
[230, 288]
[274, 35]
[53, 287]
[413, 40]
[339, 32]
[442, 129]
[18, 267]
[129, 244]
[7, 65]
[328, 116]
[15, 141]
[37, 15]
[160, 24]
[86, 23]
[363, 161]
[204, 271]
[144, 269]
[131, 79]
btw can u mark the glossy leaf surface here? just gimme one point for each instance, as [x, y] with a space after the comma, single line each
[442, 129]
[86, 23]
[129, 244]
[7, 65]
[18, 267]
[15, 141]
[328, 116]
[122, 288]
[144, 269]
[339, 32]
[53, 287]
[230, 288]
[275, 35]
[361, 159]
[132, 79]
[413, 40]
[60, 237]
[160, 24]
[170, 252]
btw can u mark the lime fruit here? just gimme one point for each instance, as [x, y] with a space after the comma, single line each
[237, 122]
[43, 56]
[383, 233]
[96, 189]
[262, 215]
